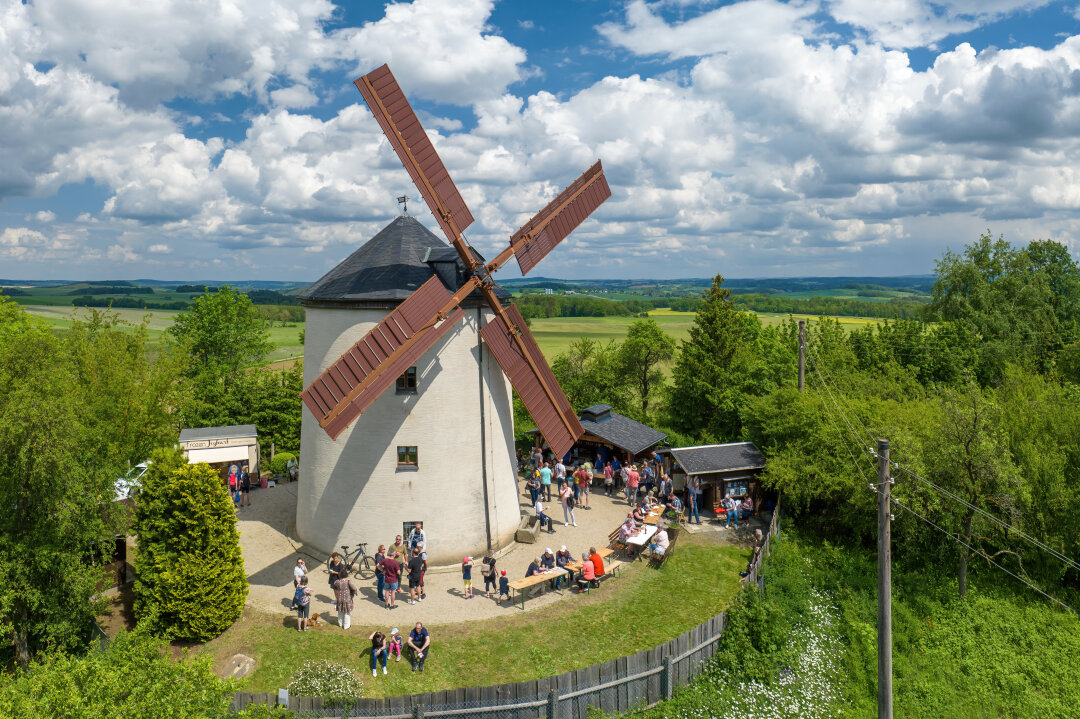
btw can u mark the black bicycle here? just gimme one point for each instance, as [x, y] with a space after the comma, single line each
[361, 557]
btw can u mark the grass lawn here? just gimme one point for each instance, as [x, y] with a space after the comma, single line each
[638, 610]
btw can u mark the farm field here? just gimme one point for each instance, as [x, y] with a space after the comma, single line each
[554, 334]
[286, 339]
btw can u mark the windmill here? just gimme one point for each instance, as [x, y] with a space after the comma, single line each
[367, 369]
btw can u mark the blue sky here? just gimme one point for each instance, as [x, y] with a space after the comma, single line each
[761, 138]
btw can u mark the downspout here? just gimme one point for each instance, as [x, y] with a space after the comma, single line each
[483, 425]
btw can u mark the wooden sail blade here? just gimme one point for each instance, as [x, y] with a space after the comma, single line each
[357, 378]
[551, 225]
[551, 417]
[414, 149]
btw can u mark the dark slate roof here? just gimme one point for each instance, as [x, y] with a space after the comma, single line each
[623, 432]
[231, 432]
[719, 457]
[388, 267]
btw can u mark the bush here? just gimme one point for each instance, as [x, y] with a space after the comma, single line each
[191, 582]
[326, 679]
[277, 464]
[133, 678]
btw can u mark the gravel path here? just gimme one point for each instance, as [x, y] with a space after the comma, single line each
[269, 556]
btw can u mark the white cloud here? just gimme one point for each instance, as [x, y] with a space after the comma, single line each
[438, 50]
[25, 245]
[122, 253]
[44, 216]
[159, 249]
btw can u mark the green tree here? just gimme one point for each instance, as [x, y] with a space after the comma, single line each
[967, 453]
[224, 334]
[646, 347]
[590, 373]
[728, 358]
[133, 678]
[191, 583]
[74, 409]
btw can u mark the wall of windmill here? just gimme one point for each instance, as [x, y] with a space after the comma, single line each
[461, 421]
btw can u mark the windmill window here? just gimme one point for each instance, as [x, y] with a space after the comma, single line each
[407, 381]
[406, 456]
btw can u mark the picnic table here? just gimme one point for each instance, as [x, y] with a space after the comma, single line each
[522, 584]
[654, 515]
[642, 538]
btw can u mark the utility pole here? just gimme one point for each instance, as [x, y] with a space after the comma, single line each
[884, 583]
[802, 355]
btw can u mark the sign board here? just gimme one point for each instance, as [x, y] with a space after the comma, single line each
[213, 443]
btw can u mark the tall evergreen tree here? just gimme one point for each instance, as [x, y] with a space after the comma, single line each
[192, 584]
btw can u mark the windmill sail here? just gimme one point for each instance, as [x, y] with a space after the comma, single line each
[553, 415]
[414, 148]
[369, 367]
[551, 225]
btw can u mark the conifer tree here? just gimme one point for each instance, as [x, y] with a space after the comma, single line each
[192, 584]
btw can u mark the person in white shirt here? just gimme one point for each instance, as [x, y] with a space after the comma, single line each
[539, 507]
[660, 542]
[299, 571]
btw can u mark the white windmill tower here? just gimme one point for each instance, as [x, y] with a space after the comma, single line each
[408, 415]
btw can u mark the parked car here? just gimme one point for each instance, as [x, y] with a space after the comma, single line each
[129, 485]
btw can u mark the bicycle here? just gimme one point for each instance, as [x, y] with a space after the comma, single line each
[361, 557]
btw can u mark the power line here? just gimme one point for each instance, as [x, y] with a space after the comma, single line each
[982, 554]
[818, 365]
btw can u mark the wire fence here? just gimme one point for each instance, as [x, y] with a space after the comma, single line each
[616, 686]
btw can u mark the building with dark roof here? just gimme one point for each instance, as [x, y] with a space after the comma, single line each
[723, 469]
[390, 266]
[440, 443]
[607, 432]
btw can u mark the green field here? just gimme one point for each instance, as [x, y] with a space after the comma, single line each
[286, 339]
[554, 334]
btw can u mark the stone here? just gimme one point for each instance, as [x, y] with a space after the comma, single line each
[238, 666]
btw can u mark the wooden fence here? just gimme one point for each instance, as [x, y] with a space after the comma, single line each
[622, 684]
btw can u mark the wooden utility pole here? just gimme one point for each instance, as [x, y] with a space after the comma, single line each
[802, 354]
[884, 583]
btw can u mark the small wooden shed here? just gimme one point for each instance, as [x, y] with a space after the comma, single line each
[220, 445]
[725, 470]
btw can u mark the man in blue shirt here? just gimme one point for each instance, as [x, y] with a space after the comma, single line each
[545, 481]
[419, 642]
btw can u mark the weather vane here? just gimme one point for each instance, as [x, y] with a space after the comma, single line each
[404, 202]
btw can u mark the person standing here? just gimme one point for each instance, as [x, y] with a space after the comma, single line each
[560, 475]
[299, 572]
[380, 575]
[504, 586]
[545, 481]
[392, 573]
[417, 536]
[416, 568]
[379, 650]
[245, 487]
[487, 568]
[584, 481]
[566, 496]
[419, 644]
[533, 485]
[633, 479]
[302, 600]
[344, 591]
[609, 479]
[693, 495]
[399, 547]
[466, 577]
[334, 567]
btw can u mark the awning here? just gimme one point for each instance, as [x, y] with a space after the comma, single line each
[218, 454]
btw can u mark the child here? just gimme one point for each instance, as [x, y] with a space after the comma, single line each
[466, 576]
[504, 586]
[394, 644]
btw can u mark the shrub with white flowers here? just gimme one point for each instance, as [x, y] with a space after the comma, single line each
[326, 679]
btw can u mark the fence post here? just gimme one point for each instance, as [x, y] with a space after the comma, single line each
[553, 705]
[418, 712]
[667, 679]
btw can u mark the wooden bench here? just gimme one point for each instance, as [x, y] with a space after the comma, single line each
[522, 584]
[616, 541]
